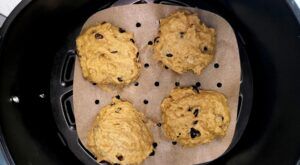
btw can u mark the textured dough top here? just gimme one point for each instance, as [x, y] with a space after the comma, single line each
[120, 135]
[108, 55]
[184, 43]
[192, 118]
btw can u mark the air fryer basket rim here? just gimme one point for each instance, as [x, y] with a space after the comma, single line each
[267, 29]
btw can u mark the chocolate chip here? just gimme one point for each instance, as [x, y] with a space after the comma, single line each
[194, 133]
[120, 79]
[174, 142]
[156, 83]
[146, 65]
[152, 153]
[220, 116]
[132, 40]
[150, 43]
[216, 65]
[154, 145]
[195, 122]
[97, 101]
[177, 83]
[182, 34]
[166, 67]
[195, 88]
[136, 84]
[137, 54]
[169, 55]
[117, 164]
[205, 49]
[120, 157]
[190, 109]
[105, 162]
[146, 102]
[219, 85]
[114, 51]
[118, 96]
[98, 36]
[156, 39]
[178, 135]
[158, 124]
[118, 110]
[94, 83]
[121, 30]
[198, 84]
[113, 104]
[138, 24]
[196, 112]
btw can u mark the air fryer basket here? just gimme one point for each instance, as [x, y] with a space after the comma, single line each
[36, 65]
[62, 85]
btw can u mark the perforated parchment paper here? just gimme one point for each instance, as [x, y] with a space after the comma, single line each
[228, 74]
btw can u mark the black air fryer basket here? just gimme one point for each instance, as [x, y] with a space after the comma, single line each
[37, 55]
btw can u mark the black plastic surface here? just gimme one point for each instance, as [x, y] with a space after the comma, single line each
[31, 39]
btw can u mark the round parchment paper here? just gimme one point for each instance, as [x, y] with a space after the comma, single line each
[227, 74]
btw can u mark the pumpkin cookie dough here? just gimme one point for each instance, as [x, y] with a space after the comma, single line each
[120, 135]
[108, 55]
[192, 118]
[184, 43]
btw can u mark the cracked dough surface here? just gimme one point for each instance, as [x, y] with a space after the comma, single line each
[184, 43]
[108, 55]
[192, 118]
[120, 135]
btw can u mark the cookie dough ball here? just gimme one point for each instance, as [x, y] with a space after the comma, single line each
[184, 43]
[120, 135]
[108, 55]
[192, 118]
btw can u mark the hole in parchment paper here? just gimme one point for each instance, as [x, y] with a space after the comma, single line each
[166, 67]
[150, 43]
[198, 84]
[118, 97]
[177, 83]
[158, 124]
[146, 65]
[156, 83]
[216, 65]
[136, 84]
[174, 142]
[154, 145]
[138, 24]
[146, 101]
[219, 85]
[94, 83]
[97, 101]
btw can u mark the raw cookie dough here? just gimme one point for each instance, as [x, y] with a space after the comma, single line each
[120, 135]
[108, 55]
[192, 118]
[184, 43]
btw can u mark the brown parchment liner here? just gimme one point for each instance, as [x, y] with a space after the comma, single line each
[228, 73]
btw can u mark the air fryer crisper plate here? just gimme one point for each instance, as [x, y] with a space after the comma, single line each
[227, 56]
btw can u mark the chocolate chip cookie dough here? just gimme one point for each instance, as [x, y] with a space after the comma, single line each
[192, 118]
[184, 43]
[108, 55]
[119, 135]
